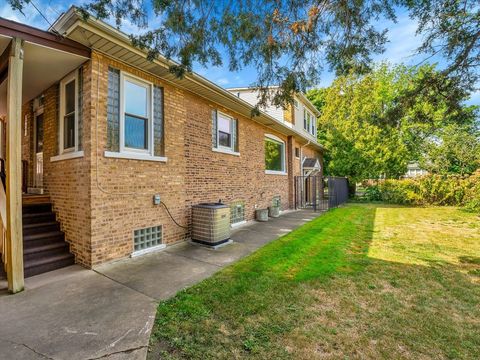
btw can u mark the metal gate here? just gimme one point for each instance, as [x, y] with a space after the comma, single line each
[320, 193]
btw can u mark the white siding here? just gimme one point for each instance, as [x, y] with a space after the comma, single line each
[252, 98]
[299, 119]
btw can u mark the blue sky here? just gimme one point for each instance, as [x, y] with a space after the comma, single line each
[400, 49]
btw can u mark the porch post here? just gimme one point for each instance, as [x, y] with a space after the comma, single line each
[13, 168]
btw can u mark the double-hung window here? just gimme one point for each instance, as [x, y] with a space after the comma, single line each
[274, 155]
[224, 133]
[136, 115]
[68, 134]
[309, 122]
[305, 119]
[135, 118]
[313, 121]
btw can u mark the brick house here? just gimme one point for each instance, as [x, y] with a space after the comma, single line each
[100, 131]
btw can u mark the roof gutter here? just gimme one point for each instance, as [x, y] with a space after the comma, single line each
[68, 22]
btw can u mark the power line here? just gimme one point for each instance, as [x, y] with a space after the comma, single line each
[41, 14]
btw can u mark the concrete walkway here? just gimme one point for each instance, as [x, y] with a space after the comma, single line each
[74, 313]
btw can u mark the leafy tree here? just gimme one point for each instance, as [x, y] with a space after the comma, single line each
[317, 97]
[290, 42]
[455, 150]
[372, 126]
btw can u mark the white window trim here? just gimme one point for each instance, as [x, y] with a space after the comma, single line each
[274, 172]
[313, 124]
[310, 123]
[67, 156]
[238, 224]
[134, 156]
[148, 250]
[135, 153]
[226, 149]
[72, 76]
[305, 120]
[284, 167]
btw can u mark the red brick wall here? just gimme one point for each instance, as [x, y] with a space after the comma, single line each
[101, 201]
[213, 175]
[67, 181]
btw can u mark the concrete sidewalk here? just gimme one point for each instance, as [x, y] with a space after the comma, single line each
[74, 313]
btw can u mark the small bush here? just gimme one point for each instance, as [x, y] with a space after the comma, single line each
[471, 200]
[372, 193]
[429, 190]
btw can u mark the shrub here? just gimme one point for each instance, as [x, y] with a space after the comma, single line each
[471, 199]
[372, 193]
[429, 190]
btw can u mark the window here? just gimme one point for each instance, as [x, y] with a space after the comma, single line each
[69, 113]
[305, 119]
[309, 122]
[237, 212]
[313, 124]
[135, 118]
[224, 133]
[274, 155]
[136, 115]
[147, 238]
[297, 152]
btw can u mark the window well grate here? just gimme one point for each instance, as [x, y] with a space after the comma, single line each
[237, 212]
[147, 237]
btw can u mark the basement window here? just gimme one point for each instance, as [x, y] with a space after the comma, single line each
[147, 238]
[237, 212]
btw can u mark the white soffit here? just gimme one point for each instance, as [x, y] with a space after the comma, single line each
[42, 67]
[105, 39]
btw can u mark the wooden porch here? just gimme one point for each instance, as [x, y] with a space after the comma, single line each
[26, 58]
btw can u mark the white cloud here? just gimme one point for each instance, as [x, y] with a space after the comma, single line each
[223, 81]
[30, 16]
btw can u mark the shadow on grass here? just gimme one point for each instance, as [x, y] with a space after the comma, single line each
[252, 308]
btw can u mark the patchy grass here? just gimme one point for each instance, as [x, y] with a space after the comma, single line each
[363, 281]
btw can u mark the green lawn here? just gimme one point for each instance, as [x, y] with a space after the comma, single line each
[363, 281]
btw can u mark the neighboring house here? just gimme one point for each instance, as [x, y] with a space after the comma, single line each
[301, 115]
[414, 170]
[100, 130]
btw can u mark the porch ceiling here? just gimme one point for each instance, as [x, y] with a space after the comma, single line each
[42, 67]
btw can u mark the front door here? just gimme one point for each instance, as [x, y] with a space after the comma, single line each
[38, 144]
